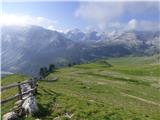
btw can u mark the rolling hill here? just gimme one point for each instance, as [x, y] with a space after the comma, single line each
[125, 88]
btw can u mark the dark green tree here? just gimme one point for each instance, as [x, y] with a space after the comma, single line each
[51, 68]
[41, 72]
[69, 65]
[74, 63]
[45, 71]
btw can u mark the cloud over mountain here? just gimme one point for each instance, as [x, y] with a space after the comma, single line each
[143, 25]
[107, 14]
[99, 13]
[24, 20]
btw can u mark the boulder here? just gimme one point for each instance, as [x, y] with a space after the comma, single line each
[30, 105]
[10, 116]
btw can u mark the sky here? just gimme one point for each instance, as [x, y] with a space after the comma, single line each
[84, 15]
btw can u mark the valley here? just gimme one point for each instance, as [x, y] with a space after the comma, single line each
[25, 49]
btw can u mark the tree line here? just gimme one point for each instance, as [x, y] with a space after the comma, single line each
[44, 71]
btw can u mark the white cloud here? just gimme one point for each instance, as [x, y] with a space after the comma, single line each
[132, 24]
[143, 25]
[89, 28]
[12, 19]
[106, 14]
[99, 13]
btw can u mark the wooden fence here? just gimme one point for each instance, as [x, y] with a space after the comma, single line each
[19, 95]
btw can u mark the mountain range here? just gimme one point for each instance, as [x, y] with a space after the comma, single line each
[27, 48]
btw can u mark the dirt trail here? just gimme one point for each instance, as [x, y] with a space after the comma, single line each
[141, 99]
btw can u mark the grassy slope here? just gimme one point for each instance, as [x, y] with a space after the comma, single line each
[129, 90]
[10, 92]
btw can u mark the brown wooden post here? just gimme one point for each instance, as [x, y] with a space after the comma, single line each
[19, 90]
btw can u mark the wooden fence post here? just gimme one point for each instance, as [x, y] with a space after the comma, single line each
[32, 84]
[19, 90]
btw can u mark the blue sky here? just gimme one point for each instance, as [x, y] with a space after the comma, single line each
[87, 15]
[63, 12]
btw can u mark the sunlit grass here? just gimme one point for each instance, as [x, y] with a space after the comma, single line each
[95, 91]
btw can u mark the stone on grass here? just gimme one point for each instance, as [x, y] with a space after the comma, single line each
[10, 116]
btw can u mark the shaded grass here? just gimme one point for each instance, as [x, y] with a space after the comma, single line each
[119, 78]
[10, 92]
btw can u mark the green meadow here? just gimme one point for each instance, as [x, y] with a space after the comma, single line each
[126, 88]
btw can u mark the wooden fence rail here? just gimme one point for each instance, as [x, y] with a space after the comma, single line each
[32, 83]
[15, 85]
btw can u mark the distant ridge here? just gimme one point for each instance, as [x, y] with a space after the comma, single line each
[27, 48]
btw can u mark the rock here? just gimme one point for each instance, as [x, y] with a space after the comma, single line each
[21, 112]
[19, 102]
[67, 115]
[30, 105]
[56, 118]
[18, 110]
[15, 107]
[10, 116]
